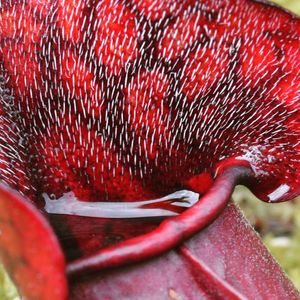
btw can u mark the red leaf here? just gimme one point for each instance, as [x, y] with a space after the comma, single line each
[29, 249]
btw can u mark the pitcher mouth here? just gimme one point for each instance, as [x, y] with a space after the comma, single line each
[171, 232]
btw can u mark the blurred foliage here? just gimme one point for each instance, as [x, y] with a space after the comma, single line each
[293, 5]
[279, 224]
[7, 289]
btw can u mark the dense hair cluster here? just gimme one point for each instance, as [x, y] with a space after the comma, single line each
[131, 99]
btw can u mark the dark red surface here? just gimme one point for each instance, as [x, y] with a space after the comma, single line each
[170, 233]
[127, 100]
[227, 252]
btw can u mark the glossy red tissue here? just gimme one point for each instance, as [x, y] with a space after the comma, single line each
[134, 100]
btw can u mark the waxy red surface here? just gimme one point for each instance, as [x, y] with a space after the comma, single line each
[29, 249]
[248, 274]
[130, 100]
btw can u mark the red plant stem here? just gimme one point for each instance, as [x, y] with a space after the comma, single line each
[216, 283]
[170, 233]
